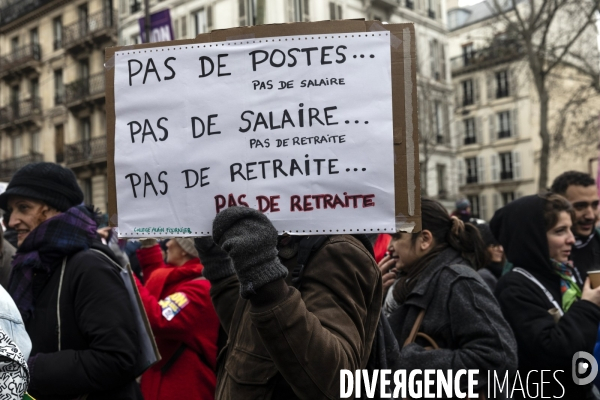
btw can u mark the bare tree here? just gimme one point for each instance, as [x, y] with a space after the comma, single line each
[555, 36]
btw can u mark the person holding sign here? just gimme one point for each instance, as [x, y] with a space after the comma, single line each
[74, 304]
[177, 300]
[276, 331]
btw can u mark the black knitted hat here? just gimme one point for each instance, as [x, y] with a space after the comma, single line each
[48, 182]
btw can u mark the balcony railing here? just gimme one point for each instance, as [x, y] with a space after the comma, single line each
[20, 56]
[86, 151]
[80, 30]
[471, 179]
[470, 140]
[19, 8]
[12, 165]
[498, 53]
[504, 134]
[502, 93]
[506, 175]
[468, 101]
[20, 111]
[84, 89]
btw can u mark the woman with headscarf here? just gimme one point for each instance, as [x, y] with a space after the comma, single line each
[74, 304]
[492, 270]
[177, 300]
[437, 276]
[552, 313]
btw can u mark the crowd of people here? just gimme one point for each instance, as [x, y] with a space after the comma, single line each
[249, 314]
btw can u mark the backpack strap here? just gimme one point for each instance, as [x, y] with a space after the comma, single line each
[539, 284]
[308, 245]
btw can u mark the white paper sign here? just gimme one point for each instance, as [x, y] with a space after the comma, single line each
[299, 127]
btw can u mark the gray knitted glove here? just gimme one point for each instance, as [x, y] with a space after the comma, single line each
[251, 241]
[217, 263]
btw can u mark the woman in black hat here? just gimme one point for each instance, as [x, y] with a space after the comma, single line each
[74, 304]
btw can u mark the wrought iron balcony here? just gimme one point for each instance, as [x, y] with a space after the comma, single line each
[500, 52]
[506, 175]
[470, 140]
[10, 166]
[86, 151]
[18, 9]
[21, 112]
[22, 58]
[471, 179]
[83, 90]
[98, 26]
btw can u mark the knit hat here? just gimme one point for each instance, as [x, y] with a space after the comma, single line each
[187, 244]
[48, 182]
[462, 204]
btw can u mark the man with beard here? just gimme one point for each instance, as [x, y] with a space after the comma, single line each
[580, 190]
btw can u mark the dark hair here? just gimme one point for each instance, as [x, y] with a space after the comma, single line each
[447, 232]
[566, 179]
[555, 204]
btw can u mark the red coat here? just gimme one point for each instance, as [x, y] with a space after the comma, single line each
[180, 310]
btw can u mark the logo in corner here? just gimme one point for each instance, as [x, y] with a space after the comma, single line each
[582, 364]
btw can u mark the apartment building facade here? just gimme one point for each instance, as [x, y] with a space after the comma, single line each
[438, 138]
[497, 113]
[52, 105]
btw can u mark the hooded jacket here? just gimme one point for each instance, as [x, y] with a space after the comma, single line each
[543, 344]
[183, 319]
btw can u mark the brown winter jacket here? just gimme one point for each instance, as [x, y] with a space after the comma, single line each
[296, 349]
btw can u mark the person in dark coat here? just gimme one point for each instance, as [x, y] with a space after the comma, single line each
[437, 273]
[492, 271]
[581, 191]
[74, 304]
[552, 323]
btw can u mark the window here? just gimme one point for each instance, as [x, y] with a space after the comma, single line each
[471, 164]
[435, 60]
[86, 129]
[247, 12]
[59, 143]
[468, 53]
[200, 21]
[184, 27]
[34, 89]
[468, 98]
[35, 143]
[507, 197]
[14, 44]
[438, 128]
[17, 145]
[504, 125]
[506, 166]
[135, 6]
[423, 178]
[82, 11]
[300, 11]
[59, 87]
[431, 10]
[470, 134]
[34, 37]
[475, 210]
[441, 181]
[410, 4]
[58, 32]
[84, 69]
[14, 95]
[502, 84]
[335, 11]
[86, 188]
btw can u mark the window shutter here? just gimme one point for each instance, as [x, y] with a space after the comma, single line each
[492, 127]
[209, 18]
[480, 170]
[479, 130]
[494, 167]
[483, 206]
[512, 82]
[496, 201]
[460, 131]
[446, 123]
[476, 90]
[514, 119]
[491, 93]
[462, 179]
[516, 159]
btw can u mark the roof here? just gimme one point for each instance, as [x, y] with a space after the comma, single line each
[464, 16]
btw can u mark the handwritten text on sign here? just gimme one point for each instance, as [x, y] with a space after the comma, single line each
[299, 127]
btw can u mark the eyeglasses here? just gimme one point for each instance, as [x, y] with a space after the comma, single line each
[583, 205]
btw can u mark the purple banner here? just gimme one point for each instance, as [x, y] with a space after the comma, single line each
[160, 27]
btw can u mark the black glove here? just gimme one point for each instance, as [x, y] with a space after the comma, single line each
[217, 263]
[251, 241]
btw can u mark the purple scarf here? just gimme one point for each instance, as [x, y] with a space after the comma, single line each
[45, 247]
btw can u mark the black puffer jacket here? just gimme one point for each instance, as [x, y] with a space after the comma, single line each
[543, 344]
[99, 341]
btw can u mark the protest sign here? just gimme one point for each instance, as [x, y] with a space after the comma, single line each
[313, 124]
